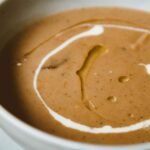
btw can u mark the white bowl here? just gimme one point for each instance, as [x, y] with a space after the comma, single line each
[18, 13]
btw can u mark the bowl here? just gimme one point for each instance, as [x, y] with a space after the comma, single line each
[15, 15]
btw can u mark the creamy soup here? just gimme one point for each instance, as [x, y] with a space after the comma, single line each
[83, 75]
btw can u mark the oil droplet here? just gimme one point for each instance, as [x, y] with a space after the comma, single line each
[76, 107]
[24, 59]
[19, 64]
[90, 58]
[131, 115]
[112, 99]
[65, 84]
[95, 73]
[123, 79]
[110, 71]
[90, 105]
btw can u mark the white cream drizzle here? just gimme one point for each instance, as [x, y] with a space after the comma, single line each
[94, 31]
[146, 66]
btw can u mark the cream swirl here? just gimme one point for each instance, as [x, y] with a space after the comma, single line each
[96, 30]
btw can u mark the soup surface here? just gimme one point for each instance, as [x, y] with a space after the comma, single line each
[83, 75]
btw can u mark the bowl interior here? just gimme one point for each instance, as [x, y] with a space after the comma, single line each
[16, 14]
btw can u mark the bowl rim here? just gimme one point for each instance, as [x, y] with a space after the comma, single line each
[37, 134]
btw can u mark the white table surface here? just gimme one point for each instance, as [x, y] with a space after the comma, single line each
[6, 143]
